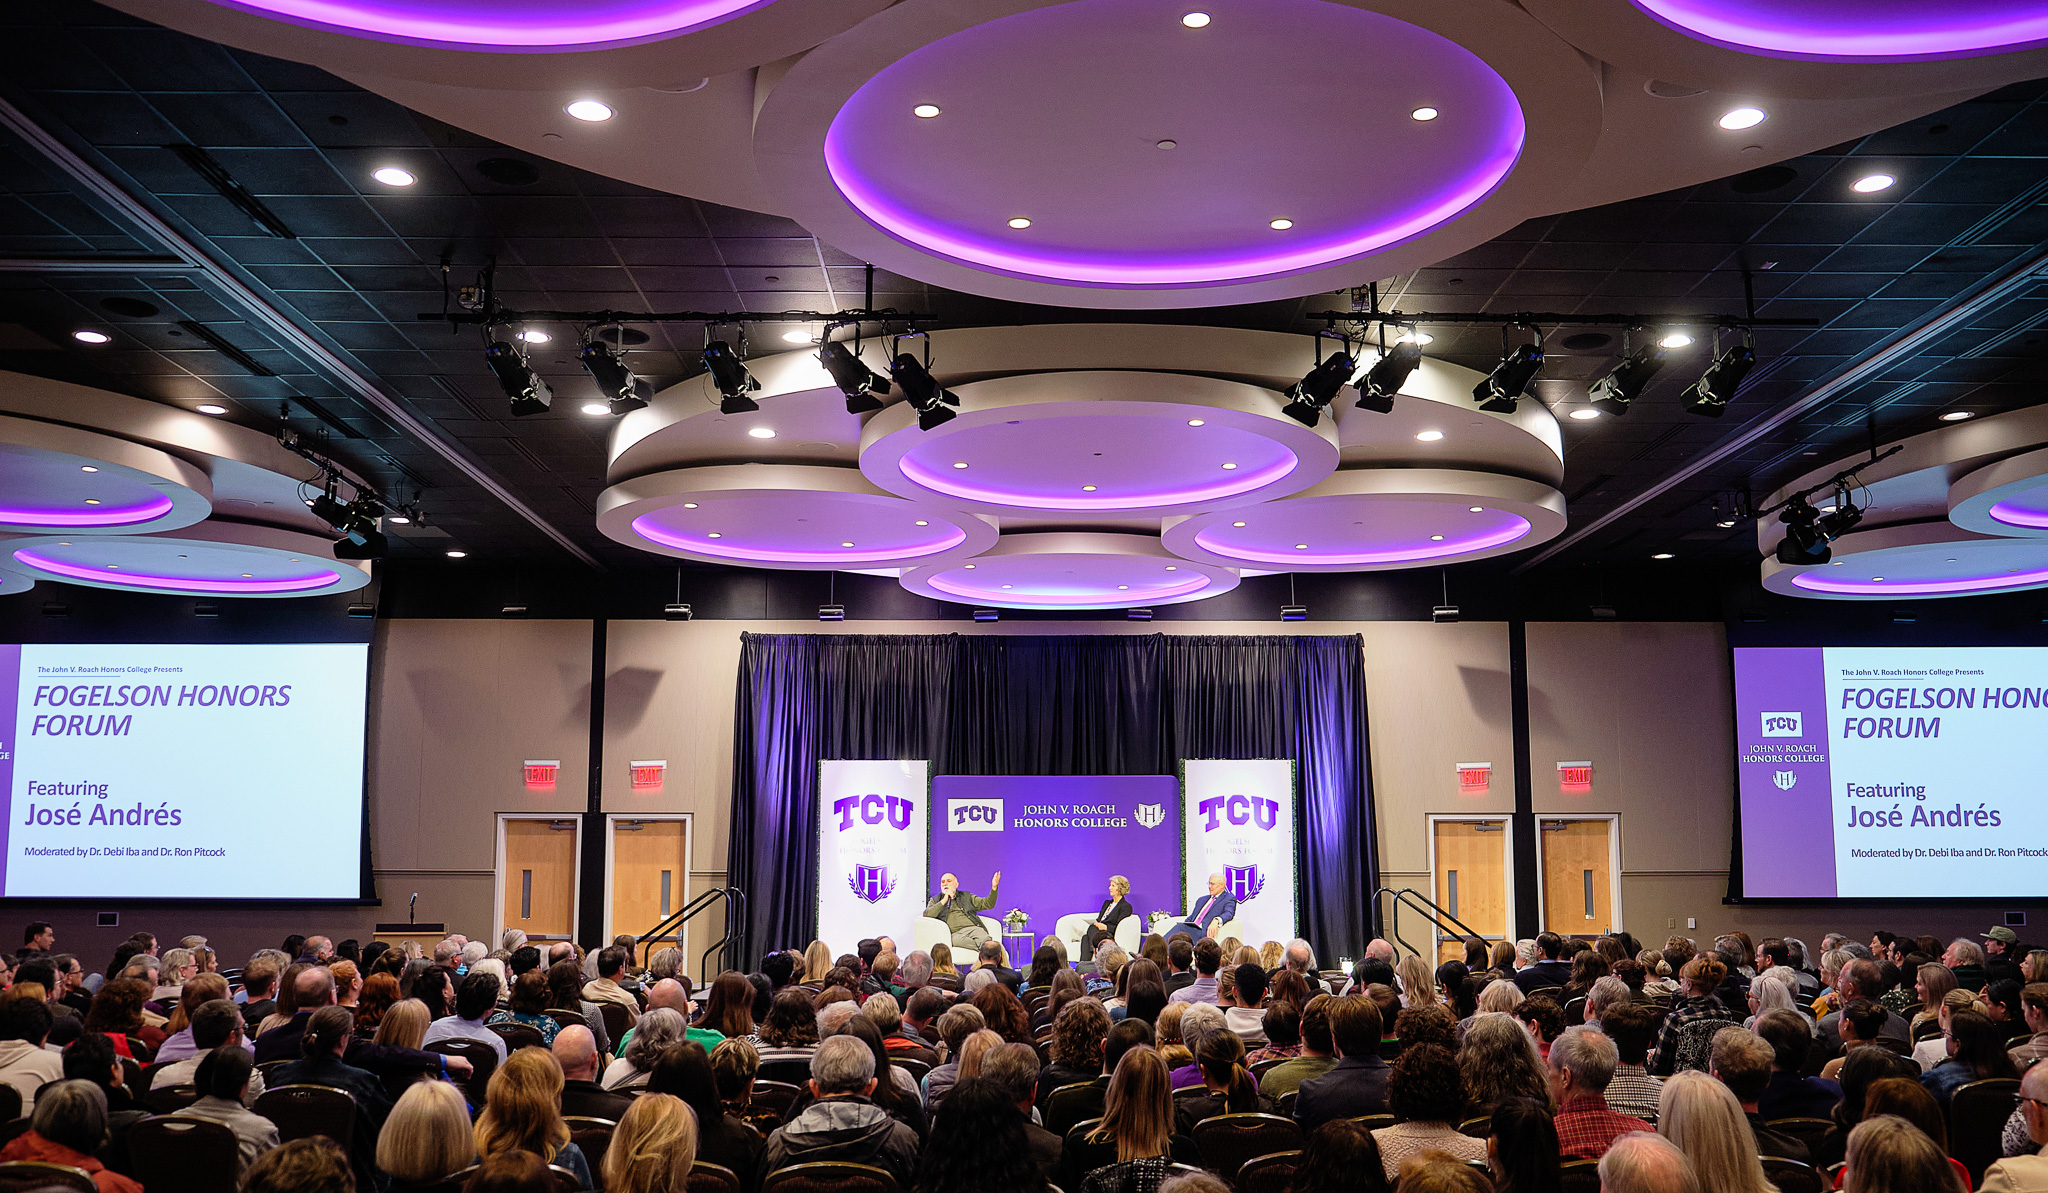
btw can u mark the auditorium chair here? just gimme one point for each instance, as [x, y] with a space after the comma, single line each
[182, 1155]
[1479, 1126]
[1070, 1104]
[1373, 1122]
[171, 1097]
[1809, 1131]
[616, 1024]
[917, 1069]
[516, 1035]
[34, 1176]
[1575, 1012]
[778, 1096]
[1579, 1176]
[301, 1111]
[832, 1177]
[1791, 1176]
[1070, 928]
[714, 1178]
[454, 1182]
[1083, 1155]
[1227, 1141]
[1924, 1030]
[592, 1135]
[926, 932]
[1976, 1117]
[565, 1017]
[483, 1061]
[1267, 1174]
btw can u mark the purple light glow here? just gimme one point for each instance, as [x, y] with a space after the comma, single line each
[942, 537]
[509, 26]
[2018, 512]
[126, 515]
[1050, 594]
[1403, 528]
[1858, 30]
[1144, 462]
[1034, 102]
[230, 587]
[1818, 581]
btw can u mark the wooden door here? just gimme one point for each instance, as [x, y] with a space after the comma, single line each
[1471, 879]
[540, 877]
[650, 862]
[1578, 895]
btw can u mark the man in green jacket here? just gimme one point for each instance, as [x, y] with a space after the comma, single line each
[958, 911]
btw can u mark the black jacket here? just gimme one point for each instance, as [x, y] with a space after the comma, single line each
[1357, 1085]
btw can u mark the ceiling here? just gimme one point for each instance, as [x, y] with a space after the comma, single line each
[1938, 273]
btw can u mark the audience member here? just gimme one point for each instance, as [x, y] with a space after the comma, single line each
[1582, 1063]
[1742, 1061]
[1702, 1118]
[1633, 1091]
[582, 1096]
[1550, 968]
[1976, 1052]
[1339, 1157]
[1789, 1095]
[1887, 1154]
[522, 1111]
[1076, 1051]
[1208, 959]
[1137, 1116]
[657, 1030]
[1498, 1060]
[312, 1165]
[1522, 1148]
[512, 1172]
[326, 1037]
[2025, 1173]
[981, 1141]
[653, 1147]
[24, 1063]
[843, 1123]
[611, 965]
[426, 1137]
[1646, 1164]
[1427, 1100]
[1357, 1083]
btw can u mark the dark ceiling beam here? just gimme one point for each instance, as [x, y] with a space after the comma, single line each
[1909, 341]
[286, 330]
[133, 264]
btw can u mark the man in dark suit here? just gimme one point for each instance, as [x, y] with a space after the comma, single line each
[1208, 915]
[1551, 969]
[1357, 1084]
[1115, 910]
[992, 959]
[1013, 1068]
[576, 1048]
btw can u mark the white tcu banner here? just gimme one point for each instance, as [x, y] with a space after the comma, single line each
[873, 845]
[1237, 820]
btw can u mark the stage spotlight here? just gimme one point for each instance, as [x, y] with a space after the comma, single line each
[530, 394]
[330, 509]
[1709, 396]
[729, 373]
[1388, 374]
[923, 390]
[858, 382]
[1805, 542]
[1626, 382]
[1503, 388]
[1842, 520]
[360, 538]
[607, 366]
[1307, 397]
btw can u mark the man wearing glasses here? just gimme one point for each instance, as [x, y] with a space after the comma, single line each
[2021, 1174]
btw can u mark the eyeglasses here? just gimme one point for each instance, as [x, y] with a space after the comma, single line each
[2035, 1101]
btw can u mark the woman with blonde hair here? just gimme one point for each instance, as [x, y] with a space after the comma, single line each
[817, 962]
[522, 1112]
[1930, 983]
[1166, 1031]
[1498, 1060]
[1418, 982]
[426, 1137]
[1699, 979]
[1271, 955]
[1887, 1154]
[652, 1148]
[942, 961]
[1245, 955]
[1500, 996]
[973, 1049]
[1137, 1115]
[1701, 1118]
[1657, 973]
[1503, 958]
[404, 1024]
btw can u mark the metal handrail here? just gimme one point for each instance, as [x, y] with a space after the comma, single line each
[735, 908]
[1427, 908]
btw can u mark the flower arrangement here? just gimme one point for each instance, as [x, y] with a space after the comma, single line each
[1015, 919]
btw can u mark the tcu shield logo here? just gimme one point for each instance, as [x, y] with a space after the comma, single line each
[872, 883]
[1151, 815]
[1785, 779]
[1243, 882]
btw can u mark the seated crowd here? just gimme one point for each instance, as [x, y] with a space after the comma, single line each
[1208, 1066]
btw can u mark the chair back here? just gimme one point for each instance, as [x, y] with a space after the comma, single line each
[785, 1072]
[1285, 1102]
[1479, 1126]
[1696, 1043]
[778, 1096]
[1083, 1155]
[1976, 1117]
[565, 1016]
[517, 1035]
[616, 1021]
[1373, 1122]
[1555, 992]
[1268, 1174]
[454, 1182]
[171, 1097]
[565, 1180]
[1791, 1176]
[1188, 1093]
[1261, 1068]
[483, 1061]
[1579, 1176]
[302, 1111]
[706, 1177]
[1575, 1011]
[1226, 1141]
[917, 1069]
[31, 1176]
[182, 1155]
[269, 1070]
[592, 1135]
[1809, 1131]
[1926, 1029]
[830, 1177]
[1067, 1105]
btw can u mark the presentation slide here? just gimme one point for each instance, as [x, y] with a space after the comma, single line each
[1885, 772]
[183, 772]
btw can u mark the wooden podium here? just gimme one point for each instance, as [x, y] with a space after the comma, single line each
[428, 935]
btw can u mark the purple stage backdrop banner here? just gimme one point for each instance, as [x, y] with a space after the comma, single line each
[1057, 839]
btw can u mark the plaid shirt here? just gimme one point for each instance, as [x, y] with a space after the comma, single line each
[1586, 1127]
[1691, 1010]
[1634, 1091]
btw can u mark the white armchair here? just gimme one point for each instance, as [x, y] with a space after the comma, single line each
[927, 932]
[1070, 929]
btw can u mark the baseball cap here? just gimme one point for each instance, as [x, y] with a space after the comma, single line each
[2002, 935]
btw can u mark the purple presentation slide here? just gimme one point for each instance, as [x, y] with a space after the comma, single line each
[1057, 839]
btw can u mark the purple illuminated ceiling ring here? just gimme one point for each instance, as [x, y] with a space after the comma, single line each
[2016, 513]
[1512, 528]
[1818, 581]
[1858, 30]
[648, 527]
[1076, 599]
[507, 26]
[98, 516]
[225, 587]
[908, 180]
[1238, 482]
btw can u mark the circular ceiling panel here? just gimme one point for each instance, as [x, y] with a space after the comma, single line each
[2006, 498]
[1858, 30]
[1072, 571]
[217, 559]
[1377, 520]
[1121, 156]
[1099, 444]
[12, 581]
[785, 516]
[1916, 562]
[59, 478]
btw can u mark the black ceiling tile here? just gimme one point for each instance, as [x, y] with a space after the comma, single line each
[325, 306]
[1980, 180]
[780, 278]
[371, 121]
[1671, 255]
[153, 59]
[694, 278]
[592, 278]
[109, 117]
[244, 249]
[210, 215]
[1874, 258]
[645, 215]
[1829, 224]
[368, 250]
[1725, 222]
[2022, 136]
[2025, 228]
[426, 216]
[1885, 314]
[1834, 285]
[156, 170]
[1646, 284]
[1923, 223]
[278, 74]
[1622, 223]
[666, 250]
[562, 250]
[554, 216]
[770, 301]
[50, 58]
[769, 253]
[294, 277]
[327, 215]
[220, 121]
[1927, 285]
[731, 221]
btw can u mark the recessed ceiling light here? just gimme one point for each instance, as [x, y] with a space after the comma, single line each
[922, 522]
[1872, 183]
[596, 409]
[1169, 144]
[394, 519]
[1878, 579]
[92, 501]
[248, 575]
[714, 534]
[1584, 413]
[1415, 337]
[970, 567]
[87, 468]
[86, 335]
[1436, 538]
[1237, 523]
[1087, 488]
[1662, 555]
[1228, 467]
[1676, 339]
[1429, 436]
[1301, 546]
[1281, 225]
[761, 432]
[210, 408]
[799, 336]
[1424, 113]
[1122, 587]
[959, 463]
[1196, 422]
[689, 505]
[1195, 20]
[1171, 568]
[1736, 119]
[1009, 586]
[1956, 416]
[1478, 509]
[925, 111]
[393, 176]
[846, 544]
[592, 110]
[1019, 222]
[458, 554]
[535, 336]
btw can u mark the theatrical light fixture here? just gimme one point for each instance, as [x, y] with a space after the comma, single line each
[676, 611]
[529, 392]
[1956, 416]
[987, 615]
[1307, 397]
[1502, 389]
[925, 393]
[1137, 615]
[1804, 542]
[621, 390]
[729, 374]
[596, 409]
[1388, 374]
[831, 613]
[1294, 613]
[1676, 339]
[1613, 393]
[1710, 395]
[855, 380]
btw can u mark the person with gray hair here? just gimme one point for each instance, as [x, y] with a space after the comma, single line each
[473, 952]
[1581, 1063]
[835, 1016]
[1605, 993]
[512, 941]
[1198, 1024]
[916, 971]
[1300, 957]
[1646, 1163]
[843, 1125]
[68, 1127]
[657, 1030]
[1832, 941]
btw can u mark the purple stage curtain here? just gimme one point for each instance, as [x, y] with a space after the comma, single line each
[1068, 705]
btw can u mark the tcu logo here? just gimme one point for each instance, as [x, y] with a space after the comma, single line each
[1240, 809]
[874, 809]
[974, 816]
[1782, 724]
